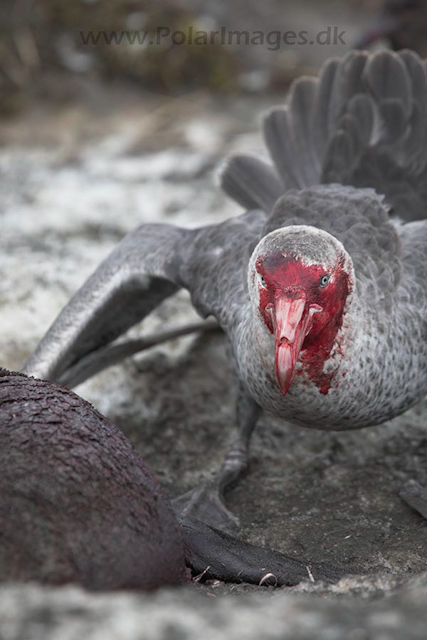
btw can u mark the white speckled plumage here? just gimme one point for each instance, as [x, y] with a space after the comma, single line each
[350, 164]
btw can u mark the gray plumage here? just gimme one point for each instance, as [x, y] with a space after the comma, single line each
[374, 101]
[349, 152]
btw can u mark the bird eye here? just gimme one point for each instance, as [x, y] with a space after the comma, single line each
[262, 281]
[324, 280]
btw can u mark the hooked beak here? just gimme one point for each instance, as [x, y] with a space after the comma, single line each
[293, 319]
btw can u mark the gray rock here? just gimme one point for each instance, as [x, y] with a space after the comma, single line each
[70, 614]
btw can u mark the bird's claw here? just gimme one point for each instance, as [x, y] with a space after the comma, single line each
[205, 504]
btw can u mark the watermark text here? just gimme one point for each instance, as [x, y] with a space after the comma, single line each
[273, 40]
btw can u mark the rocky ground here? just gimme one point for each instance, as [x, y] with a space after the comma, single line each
[73, 182]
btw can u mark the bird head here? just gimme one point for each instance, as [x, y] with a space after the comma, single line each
[300, 280]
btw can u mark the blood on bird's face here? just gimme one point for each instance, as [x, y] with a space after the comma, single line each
[302, 305]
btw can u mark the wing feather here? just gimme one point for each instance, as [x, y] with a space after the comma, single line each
[139, 274]
[363, 123]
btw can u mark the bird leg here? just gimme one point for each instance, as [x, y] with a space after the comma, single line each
[207, 502]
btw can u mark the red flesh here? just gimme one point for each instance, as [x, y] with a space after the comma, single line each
[288, 280]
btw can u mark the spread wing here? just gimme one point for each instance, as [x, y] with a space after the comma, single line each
[149, 265]
[139, 274]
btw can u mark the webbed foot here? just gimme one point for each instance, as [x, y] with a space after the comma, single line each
[415, 496]
[205, 504]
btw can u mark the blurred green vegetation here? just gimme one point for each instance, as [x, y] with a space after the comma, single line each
[39, 37]
[42, 39]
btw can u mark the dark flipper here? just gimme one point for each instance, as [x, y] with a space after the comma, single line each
[415, 496]
[218, 555]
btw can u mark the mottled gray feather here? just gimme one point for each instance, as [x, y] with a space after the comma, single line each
[251, 182]
[299, 115]
[281, 145]
[321, 106]
[358, 219]
[216, 271]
